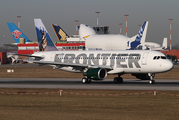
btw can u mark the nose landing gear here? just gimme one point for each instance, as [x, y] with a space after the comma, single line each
[151, 75]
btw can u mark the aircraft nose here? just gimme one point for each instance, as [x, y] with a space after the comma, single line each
[169, 65]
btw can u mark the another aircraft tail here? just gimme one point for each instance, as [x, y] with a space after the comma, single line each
[140, 38]
[16, 33]
[44, 40]
[60, 33]
[164, 44]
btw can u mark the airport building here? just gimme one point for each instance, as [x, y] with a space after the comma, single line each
[102, 30]
[31, 48]
[173, 54]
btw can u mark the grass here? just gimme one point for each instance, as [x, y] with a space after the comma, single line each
[48, 72]
[80, 107]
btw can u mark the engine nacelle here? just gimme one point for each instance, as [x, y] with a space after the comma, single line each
[144, 76]
[96, 73]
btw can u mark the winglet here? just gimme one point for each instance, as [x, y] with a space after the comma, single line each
[44, 40]
[60, 33]
[16, 33]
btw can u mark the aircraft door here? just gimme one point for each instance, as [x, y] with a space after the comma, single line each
[144, 58]
[105, 60]
[52, 57]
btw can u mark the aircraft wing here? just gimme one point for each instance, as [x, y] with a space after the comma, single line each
[11, 44]
[40, 57]
[61, 64]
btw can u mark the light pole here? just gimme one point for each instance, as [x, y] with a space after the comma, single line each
[97, 18]
[170, 34]
[126, 23]
[76, 26]
[120, 27]
[18, 21]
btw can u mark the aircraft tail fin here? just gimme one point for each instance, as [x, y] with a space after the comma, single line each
[164, 44]
[44, 40]
[140, 38]
[60, 33]
[144, 32]
[16, 33]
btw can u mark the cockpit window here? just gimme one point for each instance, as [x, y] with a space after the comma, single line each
[155, 57]
[163, 57]
[159, 57]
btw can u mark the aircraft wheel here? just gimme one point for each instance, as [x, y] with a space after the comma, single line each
[120, 80]
[84, 80]
[152, 81]
[89, 80]
[116, 80]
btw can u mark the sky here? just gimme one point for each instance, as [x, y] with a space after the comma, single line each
[65, 12]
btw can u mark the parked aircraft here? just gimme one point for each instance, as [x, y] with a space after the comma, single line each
[93, 41]
[96, 65]
[64, 37]
[60, 33]
[17, 33]
[154, 46]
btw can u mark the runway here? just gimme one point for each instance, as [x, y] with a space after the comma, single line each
[75, 83]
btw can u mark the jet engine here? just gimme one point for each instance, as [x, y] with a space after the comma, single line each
[145, 76]
[96, 73]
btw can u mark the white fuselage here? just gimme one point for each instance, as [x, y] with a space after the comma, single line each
[128, 61]
[93, 41]
[116, 42]
[107, 42]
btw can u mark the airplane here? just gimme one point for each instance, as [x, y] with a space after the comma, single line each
[60, 33]
[96, 65]
[63, 36]
[17, 33]
[93, 41]
[154, 46]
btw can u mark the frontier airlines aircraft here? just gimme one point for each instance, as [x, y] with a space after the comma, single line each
[96, 65]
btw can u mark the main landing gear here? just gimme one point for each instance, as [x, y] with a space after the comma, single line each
[86, 80]
[118, 80]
